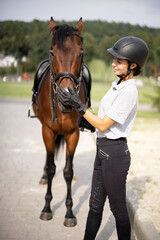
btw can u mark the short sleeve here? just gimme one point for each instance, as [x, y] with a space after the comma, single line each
[123, 105]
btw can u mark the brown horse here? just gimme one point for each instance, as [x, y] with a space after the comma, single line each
[66, 66]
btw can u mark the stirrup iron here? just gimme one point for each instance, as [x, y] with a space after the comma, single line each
[29, 111]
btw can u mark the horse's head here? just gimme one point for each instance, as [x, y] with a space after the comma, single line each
[66, 57]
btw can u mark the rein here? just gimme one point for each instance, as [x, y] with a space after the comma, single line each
[55, 77]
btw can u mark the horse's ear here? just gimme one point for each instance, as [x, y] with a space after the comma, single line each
[52, 25]
[80, 26]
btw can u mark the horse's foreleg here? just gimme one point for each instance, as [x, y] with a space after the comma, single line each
[71, 143]
[49, 138]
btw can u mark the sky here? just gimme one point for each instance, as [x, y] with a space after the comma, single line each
[142, 12]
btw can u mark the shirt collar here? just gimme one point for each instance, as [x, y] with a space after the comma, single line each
[123, 84]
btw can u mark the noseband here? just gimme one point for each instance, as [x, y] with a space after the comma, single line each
[60, 76]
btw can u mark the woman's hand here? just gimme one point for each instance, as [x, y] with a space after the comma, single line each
[71, 98]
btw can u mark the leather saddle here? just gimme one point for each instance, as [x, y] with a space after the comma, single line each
[41, 72]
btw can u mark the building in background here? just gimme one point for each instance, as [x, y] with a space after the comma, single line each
[7, 61]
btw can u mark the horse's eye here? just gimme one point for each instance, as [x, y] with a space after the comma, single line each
[51, 53]
[81, 55]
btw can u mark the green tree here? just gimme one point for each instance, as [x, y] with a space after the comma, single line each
[90, 48]
[32, 40]
[107, 42]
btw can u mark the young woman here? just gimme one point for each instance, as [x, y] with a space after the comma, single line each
[114, 123]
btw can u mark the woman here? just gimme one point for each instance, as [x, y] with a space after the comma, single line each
[114, 123]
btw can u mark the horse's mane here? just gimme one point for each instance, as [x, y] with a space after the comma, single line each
[61, 32]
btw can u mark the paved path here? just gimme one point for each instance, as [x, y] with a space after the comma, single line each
[22, 156]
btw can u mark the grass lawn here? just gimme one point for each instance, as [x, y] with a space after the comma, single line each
[140, 114]
[16, 89]
[24, 90]
[102, 77]
[145, 93]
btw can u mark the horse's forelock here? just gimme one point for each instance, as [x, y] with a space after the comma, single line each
[61, 32]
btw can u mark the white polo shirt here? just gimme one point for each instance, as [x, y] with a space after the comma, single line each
[120, 104]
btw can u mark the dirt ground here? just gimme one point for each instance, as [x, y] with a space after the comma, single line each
[144, 176]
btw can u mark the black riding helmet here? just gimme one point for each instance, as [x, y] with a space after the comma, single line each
[132, 49]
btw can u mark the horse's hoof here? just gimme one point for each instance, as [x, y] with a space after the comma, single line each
[43, 181]
[70, 222]
[46, 216]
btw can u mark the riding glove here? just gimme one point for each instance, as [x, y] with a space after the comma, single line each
[71, 99]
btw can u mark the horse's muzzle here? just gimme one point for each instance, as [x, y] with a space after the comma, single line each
[64, 109]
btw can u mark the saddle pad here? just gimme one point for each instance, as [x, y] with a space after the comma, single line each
[41, 72]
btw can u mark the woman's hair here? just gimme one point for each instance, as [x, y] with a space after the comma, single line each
[136, 71]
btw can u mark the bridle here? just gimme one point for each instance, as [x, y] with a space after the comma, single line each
[60, 76]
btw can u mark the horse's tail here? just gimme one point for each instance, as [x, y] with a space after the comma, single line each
[59, 143]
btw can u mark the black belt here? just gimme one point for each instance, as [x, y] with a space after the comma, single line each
[108, 140]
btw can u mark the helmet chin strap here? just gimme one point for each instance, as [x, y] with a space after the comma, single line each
[123, 76]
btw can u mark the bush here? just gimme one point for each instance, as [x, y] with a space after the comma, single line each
[7, 70]
[156, 99]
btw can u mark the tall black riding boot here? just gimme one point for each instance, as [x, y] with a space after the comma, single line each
[92, 225]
